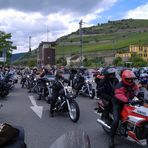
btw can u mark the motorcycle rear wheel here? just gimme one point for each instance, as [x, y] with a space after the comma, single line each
[74, 114]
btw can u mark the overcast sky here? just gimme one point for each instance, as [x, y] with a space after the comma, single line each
[24, 18]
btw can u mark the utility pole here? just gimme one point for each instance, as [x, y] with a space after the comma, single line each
[47, 33]
[30, 44]
[81, 42]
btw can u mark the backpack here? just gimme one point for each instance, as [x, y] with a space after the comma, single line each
[7, 133]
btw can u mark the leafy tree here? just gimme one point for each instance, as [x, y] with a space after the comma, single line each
[86, 62]
[31, 62]
[118, 61]
[6, 44]
[138, 61]
[61, 61]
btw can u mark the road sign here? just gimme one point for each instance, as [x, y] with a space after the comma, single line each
[2, 59]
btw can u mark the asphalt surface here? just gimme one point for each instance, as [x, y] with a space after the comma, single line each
[42, 132]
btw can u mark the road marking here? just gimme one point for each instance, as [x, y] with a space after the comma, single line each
[37, 109]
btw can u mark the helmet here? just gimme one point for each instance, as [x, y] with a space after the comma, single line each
[34, 68]
[59, 74]
[109, 72]
[128, 77]
[144, 78]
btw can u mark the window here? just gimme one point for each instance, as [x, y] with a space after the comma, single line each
[145, 55]
[140, 48]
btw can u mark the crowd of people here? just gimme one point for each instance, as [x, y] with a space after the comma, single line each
[115, 90]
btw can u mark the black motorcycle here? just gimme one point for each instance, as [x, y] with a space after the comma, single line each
[44, 87]
[4, 88]
[66, 103]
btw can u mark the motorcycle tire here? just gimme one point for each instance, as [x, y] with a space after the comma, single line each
[92, 94]
[39, 97]
[75, 113]
[22, 84]
[107, 131]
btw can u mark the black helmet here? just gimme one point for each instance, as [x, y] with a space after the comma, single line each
[109, 71]
[59, 74]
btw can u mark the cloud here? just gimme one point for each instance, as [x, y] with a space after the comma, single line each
[33, 18]
[140, 12]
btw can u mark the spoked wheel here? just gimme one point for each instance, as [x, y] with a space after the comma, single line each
[74, 112]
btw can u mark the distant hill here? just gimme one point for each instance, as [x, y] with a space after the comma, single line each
[17, 56]
[103, 38]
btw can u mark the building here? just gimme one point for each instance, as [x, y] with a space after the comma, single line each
[45, 54]
[142, 51]
[124, 55]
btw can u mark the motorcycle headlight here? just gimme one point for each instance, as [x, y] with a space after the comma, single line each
[35, 79]
[87, 81]
[47, 83]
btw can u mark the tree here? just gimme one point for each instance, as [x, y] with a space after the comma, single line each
[118, 61]
[6, 44]
[138, 61]
[61, 61]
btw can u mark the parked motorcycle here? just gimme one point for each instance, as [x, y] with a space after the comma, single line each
[133, 123]
[66, 103]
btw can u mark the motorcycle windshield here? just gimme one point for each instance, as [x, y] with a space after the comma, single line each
[72, 139]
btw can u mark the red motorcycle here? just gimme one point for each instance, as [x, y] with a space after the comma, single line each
[133, 124]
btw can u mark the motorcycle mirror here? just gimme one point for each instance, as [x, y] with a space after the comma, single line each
[72, 139]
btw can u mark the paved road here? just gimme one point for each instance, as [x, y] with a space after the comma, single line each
[41, 132]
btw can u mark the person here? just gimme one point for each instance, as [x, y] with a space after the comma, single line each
[57, 90]
[72, 74]
[32, 76]
[105, 89]
[97, 78]
[143, 89]
[80, 79]
[124, 92]
[45, 71]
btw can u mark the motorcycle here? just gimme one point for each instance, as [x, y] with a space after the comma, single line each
[133, 123]
[88, 88]
[4, 88]
[66, 103]
[44, 87]
[25, 81]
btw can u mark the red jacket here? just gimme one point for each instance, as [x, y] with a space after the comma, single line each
[123, 93]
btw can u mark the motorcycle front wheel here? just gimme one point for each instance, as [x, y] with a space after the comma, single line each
[104, 127]
[74, 112]
[92, 94]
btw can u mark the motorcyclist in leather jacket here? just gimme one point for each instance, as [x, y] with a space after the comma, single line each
[105, 89]
[57, 90]
[125, 91]
[81, 78]
[72, 74]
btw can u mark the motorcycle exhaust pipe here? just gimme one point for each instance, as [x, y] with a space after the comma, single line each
[103, 123]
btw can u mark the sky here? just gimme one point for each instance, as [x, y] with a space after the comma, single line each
[47, 20]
